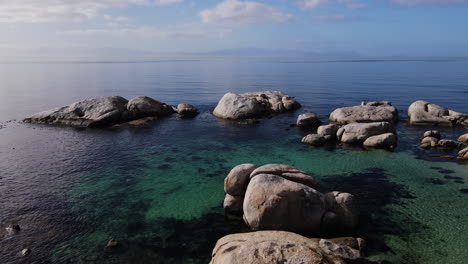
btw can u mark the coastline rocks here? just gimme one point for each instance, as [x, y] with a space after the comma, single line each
[448, 144]
[101, 111]
[274, 203]
[248, 105]
[238, 178]
[314, 140]
[284, 247]
[387, 140]
[308, 120]
[287, 172]
[144, 106]
[429, 142]
[463, 139]
[233, 204]
[343, 211]
[328, 130]
[463, 154]
[187, 110]
[425, 113]
[370, 112]
[432, 133]
[357, 133]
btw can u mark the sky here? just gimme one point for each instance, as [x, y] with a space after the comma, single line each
[366, 27]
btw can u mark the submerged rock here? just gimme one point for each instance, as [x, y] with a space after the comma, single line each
[425, 113]
[248, 105]
[314, 140]
[112, 243]
[285, 247]
[101, 111]
[386, 140]
[448, 144]
[25, 252]
[187, 110]
[308, 120]
[370, 112]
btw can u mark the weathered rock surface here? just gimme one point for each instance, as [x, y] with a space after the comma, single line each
[144, 106]
[429, 142]
[274, 203]
[386, 140]
[357, 133]
[284, 247]
[308, 120]
[187, 110]
[342, 211]
[238, 178]
[370, 112]
[425, 113]
[432, 133]
[287, 172]
[463, 154]
[314, 140]
[233, 204]
[328, 130]
[101, 111]
[463, 138]
[248, 105]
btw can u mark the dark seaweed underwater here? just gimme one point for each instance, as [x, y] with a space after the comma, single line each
[159, 190]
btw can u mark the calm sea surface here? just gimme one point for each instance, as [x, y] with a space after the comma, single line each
[159, 190]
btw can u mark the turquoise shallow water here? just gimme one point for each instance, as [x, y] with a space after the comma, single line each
[159, 190]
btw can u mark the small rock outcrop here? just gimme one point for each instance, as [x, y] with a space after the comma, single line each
[425, 113]
[285, 247]
[314, 140]
[386, 140]
[248, 105]
[144, 106]
[357, 133]
[463, 154]
[463, 138]
[281, 197]
[365, 113]
[308, 120]
[432, 139]
[187, 110]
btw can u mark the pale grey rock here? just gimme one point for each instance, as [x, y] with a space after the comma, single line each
[386, 140]
[463, 138]
[345, 209]
[287, 172]
[187, 110]
[264, 247]
[248, 105]
[233, 204]
[144, 106]
[432, 133]
[274, 203]
[425, 113]
[101, 111]
[314, 140]
[463, 154]
[238, 178]
[429, 142]
[328, 130]
[375, 112]
[308, 120]
[357, 133]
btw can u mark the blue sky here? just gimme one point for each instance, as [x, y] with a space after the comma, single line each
[368, 27]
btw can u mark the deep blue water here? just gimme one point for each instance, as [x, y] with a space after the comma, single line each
[159, 190]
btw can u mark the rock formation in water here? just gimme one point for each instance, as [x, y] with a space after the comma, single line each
[110, 110]
[463, 154]
[432, 139]
[248, 105]
[187, 110]
[365, 113]
[281, 197]
[463, 139]
[285, 247]
[425, 113]
[308, 120]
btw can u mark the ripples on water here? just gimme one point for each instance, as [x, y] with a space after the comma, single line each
[159, 189]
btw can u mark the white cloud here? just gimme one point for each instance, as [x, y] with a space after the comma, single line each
[428, 2]
[312, 3]
[40, 11]
[151, 32]
[235, 12]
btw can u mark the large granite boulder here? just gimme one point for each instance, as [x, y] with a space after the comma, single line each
[342, 212]
[285, 247]
[274, 203]
[386, 140]
[425, 113]
[187, 110]
[370, 112]
[433, 133]
[308, 120]
[357, 133]
[238, 178]
[429, 142]
[328, 130]
[314, 140]
[101, 111]
[287, 172]
[144, 106]
[248, 105]
[233, 204]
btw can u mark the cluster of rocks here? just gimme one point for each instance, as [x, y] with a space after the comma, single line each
[432, 139]
[110, 110]
[250, 105]
[369, 125]
[281, 197]
[285, 247]
[425, 113]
